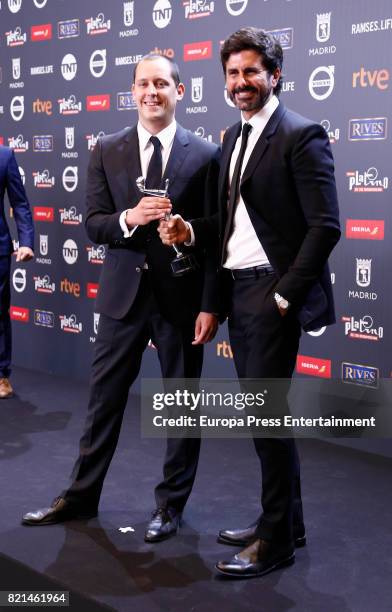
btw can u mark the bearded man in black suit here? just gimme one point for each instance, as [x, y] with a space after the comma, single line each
[276, 226]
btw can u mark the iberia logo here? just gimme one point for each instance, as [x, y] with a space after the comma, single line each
[99, 102]
[92, 290]
[197, 51]
[43, 213]
[17, 313]
[41, 32]
[312, 366]
[365, 229]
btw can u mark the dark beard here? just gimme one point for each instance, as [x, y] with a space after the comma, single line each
[259, 102]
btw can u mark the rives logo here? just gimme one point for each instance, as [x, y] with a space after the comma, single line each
[358, 374]
[368, 128]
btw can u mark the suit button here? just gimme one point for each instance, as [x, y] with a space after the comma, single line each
[138, 269]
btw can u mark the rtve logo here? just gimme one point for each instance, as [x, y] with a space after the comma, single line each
[371, 78]
[42, 106]
[67, 286]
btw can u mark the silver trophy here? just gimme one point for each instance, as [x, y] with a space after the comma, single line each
[183, 263]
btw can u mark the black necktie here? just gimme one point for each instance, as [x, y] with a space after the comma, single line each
[154, 172]
[235, 188]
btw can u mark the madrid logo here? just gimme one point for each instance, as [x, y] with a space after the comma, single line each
[197, 89]
[43, 244]
[70, 137]
[16, 68]
[323, 27]
[322, 82]
[363, 272]
[128, 13]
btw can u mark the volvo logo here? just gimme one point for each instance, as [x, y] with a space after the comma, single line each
[98, 63]
[70, 178]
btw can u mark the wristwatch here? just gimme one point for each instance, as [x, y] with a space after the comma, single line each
[281, 301]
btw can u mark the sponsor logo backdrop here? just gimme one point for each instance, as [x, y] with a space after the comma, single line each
[65, 74]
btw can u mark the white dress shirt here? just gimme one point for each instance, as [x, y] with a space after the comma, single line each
[146, 149]
[243, 248]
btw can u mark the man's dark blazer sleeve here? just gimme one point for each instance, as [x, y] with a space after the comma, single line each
[312, 168]
[102, 218]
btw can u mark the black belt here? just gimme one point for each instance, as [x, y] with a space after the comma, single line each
[254, 272]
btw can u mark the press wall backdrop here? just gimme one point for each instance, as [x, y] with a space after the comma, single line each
[65, 74]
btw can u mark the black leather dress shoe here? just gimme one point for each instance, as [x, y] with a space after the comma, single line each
[259, 558]
[60, 511]
[164, 524]
[243, 537]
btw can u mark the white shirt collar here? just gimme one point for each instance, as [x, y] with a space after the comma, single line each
[261, 118]
[166, 136]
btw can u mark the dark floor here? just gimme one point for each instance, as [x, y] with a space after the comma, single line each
[347, 564]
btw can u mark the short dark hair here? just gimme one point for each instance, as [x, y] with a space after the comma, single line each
[260, 41]
[174, 70]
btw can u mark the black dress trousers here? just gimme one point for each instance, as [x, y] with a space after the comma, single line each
[265, 345]
[119, 349]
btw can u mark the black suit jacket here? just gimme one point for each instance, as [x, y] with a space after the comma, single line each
[288, 187]
[192, 170]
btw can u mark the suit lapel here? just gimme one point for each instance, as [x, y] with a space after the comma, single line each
[263, 142]
[177, 155]
[227, 150]
[130, 152]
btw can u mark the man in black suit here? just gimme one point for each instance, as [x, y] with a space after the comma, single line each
[138, 297]
[277, 224]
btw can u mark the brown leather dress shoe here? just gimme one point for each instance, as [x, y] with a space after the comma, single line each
[260, 558]
[5, 388]
[59, 512]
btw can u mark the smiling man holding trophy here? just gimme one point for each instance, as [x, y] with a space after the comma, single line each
[147, 290]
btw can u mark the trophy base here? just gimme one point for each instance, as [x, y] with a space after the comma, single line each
[183, 264]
